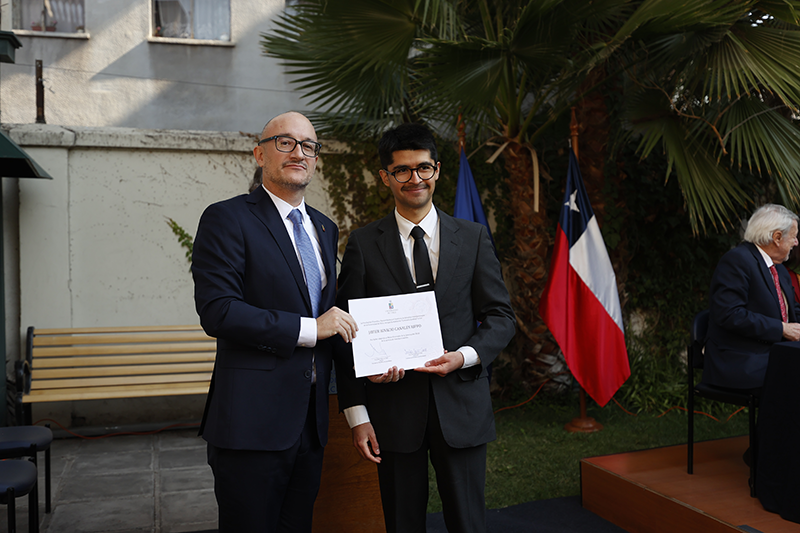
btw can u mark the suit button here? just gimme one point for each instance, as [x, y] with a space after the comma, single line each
[307, 374]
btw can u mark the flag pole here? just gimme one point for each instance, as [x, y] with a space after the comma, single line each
[462, 134]
[582, 424]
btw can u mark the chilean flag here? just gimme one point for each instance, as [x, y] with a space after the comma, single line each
[580, 303]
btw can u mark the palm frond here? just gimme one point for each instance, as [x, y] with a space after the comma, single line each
[754, 59]
[709, 189]
[785, 10]
[763, 140]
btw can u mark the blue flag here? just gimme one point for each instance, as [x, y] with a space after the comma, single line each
[468, 201]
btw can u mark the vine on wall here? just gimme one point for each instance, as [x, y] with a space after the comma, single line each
[358, 195]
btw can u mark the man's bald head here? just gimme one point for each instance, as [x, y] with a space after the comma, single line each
[265, 132]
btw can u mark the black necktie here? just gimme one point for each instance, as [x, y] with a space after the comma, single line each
[422, 261]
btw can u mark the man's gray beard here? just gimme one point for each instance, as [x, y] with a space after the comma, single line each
[297, 186]
[289, 184]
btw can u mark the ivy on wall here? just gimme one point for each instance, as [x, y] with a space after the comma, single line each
[358, 195]
[184, 239]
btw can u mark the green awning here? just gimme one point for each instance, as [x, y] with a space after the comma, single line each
[15, 163]
[8, 46]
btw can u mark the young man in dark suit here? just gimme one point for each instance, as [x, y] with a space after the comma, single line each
[443, 408]
[264, 266]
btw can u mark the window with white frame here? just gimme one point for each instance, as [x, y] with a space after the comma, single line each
[65, 16]
[192, 19]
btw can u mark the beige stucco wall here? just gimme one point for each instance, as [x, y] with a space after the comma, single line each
[117, 74]
[94, 247]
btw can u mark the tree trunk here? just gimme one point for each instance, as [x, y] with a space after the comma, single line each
[527, 268]
[594, 128]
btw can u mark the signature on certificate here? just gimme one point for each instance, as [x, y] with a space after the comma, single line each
[416, 352]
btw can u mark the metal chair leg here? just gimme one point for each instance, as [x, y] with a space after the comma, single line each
[12, 515]
[47, 485]
[690, 450]
[753, 446]
[33, 509]
[47, 480]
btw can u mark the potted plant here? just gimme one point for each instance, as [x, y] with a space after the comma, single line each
[51, 26]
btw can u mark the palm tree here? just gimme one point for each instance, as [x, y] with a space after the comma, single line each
[713, 83]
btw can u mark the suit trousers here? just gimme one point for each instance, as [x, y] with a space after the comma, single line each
[269, 491]
[460, 477]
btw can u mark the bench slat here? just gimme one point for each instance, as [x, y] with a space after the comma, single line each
[77, 383]
[120, 329]
[130, 370]
[120, 338]
[102, 393]
[109, 349]
[137, 359]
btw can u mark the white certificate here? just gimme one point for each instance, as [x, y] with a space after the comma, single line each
[401, 331]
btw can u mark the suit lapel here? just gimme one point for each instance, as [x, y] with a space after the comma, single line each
[262, 206]
[449, 253]
[766, 275]
[389, 245]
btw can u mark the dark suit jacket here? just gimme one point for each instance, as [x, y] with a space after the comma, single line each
[469, 288]
[745, 318]
[250, 295]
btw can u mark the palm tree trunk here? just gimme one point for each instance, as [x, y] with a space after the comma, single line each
[594, 129]
[528, 266]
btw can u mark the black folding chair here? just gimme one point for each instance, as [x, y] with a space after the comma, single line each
[733, 396]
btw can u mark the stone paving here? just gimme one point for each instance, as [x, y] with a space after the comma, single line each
[157, 483]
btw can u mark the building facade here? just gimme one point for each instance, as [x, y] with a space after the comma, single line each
[154, 64]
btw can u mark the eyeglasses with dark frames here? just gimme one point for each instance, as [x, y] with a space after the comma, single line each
[403, 175]
[287, 144]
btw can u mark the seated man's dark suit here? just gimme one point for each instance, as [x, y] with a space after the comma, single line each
[745, 319]
[469, 289]
[250, 294]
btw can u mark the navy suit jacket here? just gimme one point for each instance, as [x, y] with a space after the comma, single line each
[745, 319]
[250, 294]
[469, 288]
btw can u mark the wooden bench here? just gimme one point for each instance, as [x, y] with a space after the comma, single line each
[104, 363]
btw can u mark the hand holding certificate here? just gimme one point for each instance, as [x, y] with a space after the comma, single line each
[401, 331]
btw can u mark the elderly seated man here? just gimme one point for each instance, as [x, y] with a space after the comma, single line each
[752, 302]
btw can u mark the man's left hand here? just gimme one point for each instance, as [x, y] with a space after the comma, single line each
[443, 365]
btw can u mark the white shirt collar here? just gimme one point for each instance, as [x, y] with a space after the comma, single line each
[284, 207]
[767, 259]
[428, 224]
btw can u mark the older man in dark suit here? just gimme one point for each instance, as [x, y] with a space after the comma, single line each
[443, 408]
[264, 267]
[752, 301]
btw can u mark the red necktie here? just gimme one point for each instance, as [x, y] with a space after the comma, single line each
[780, 294]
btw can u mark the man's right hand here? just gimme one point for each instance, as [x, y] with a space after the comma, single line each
[335, 321]
[363, 437]
[791, 331]
[392, 375]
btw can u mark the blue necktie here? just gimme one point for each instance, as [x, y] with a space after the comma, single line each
[309, 260]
